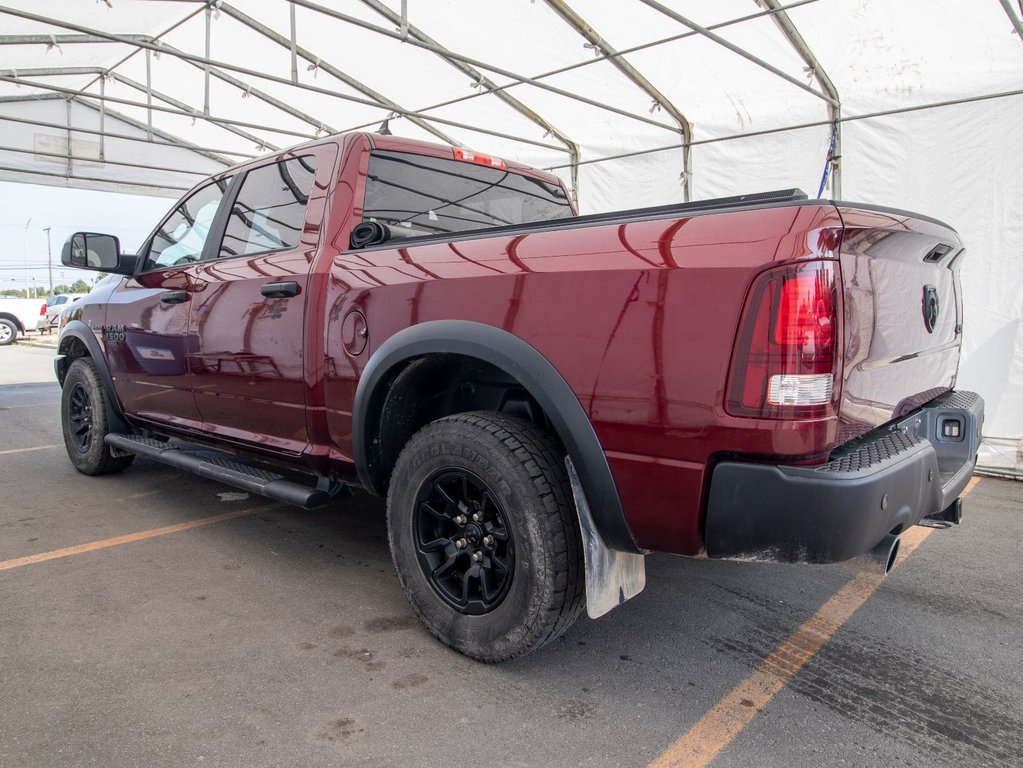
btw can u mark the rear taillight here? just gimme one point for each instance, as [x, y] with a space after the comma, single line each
[786, 357]
[42, 310]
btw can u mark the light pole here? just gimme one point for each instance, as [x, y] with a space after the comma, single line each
[49, 258]
[27, 281]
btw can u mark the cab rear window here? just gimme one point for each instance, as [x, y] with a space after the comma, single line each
[433, 195]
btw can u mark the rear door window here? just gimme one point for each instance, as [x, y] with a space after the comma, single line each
[269, 212]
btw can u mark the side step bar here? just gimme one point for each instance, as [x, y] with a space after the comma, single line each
[225, 470]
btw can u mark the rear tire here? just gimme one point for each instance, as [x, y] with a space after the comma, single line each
[8, 332]
[86, 421]
[484, 536]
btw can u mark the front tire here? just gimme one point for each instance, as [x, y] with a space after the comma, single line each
[86, 421]
[484, 536]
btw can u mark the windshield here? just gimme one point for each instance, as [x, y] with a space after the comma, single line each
[430, 195]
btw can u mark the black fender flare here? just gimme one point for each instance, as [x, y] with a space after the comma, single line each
[532, 370]
[76, 329]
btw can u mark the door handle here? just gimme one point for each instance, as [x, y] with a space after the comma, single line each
[280, 290]
[174, 297]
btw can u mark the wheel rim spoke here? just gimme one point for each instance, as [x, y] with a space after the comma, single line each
[444, 493]
[498, 532]
[433, 546]
[487, 585]
[446, 566]
[439, 514]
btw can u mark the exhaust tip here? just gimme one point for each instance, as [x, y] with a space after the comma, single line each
[893, 553]
[880, 560]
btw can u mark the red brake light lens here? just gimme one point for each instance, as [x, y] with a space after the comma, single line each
[806, 310]
[786, 360]
[467, 155]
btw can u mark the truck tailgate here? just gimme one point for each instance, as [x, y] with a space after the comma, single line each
[902, 314]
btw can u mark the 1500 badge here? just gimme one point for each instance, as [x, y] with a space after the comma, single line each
[113, 332]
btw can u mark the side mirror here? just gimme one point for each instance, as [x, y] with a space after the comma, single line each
[91, 250]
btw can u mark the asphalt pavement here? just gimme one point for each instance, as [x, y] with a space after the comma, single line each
[152, 618]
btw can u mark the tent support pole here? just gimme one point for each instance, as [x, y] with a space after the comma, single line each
[1016, 23]
[149, 95]
[294, 44]
[588, 33]
[103, 117]
[67, 112]
[206, 66]
[781, 18]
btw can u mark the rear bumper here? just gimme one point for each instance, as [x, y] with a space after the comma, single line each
[882, 483]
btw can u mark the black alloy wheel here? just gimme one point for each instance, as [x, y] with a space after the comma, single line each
[79, 416]
[463, 541]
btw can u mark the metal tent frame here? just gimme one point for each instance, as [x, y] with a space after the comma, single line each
[262, 134]
[287, 123]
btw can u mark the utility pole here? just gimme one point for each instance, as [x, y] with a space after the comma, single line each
[28, 283]
[49, 258]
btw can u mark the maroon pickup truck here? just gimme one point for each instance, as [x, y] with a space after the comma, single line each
[542, 397]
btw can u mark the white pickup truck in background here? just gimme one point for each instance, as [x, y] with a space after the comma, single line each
[18, 316]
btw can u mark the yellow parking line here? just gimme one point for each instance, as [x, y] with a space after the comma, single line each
[28, 450]
[726, 719]
[92, 546]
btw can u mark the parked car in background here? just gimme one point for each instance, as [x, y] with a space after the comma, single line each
[57, 303]
[18, 316]
[68, 310]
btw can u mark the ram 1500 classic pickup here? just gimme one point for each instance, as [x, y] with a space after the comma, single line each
[542, 397]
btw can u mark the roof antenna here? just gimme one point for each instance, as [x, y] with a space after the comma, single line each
[385, 127]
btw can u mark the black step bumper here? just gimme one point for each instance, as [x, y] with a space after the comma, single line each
[882, 483]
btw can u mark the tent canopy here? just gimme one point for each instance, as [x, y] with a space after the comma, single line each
[556, 83]
[915, 104]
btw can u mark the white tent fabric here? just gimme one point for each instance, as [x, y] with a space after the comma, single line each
[233, 78]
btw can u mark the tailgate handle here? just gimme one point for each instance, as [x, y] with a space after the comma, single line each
[174, 297]
[280, 290]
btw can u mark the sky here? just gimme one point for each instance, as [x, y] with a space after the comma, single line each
[27, 209]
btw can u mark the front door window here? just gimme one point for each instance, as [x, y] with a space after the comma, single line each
[181, 238]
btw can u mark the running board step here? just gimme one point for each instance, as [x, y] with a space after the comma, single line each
[225, 470]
